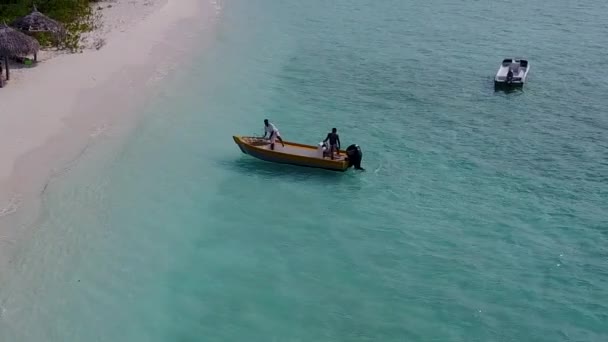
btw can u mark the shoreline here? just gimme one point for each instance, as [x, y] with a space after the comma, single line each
[98, 98]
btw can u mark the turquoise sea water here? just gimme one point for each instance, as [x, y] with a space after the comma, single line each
[482, 216]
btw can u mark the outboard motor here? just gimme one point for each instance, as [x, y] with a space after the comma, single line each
[354, 156]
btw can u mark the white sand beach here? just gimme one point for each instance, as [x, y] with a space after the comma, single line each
[50, 113]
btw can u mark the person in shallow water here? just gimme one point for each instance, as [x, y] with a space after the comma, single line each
[273, 133]
[334, 142]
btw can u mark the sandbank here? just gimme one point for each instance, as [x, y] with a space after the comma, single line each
[49, 114]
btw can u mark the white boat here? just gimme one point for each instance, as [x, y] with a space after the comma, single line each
[512, 73]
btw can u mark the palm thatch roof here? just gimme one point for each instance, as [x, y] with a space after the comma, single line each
[38, 22]
[15, 43]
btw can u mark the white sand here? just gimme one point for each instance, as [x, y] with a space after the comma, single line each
[50, 113]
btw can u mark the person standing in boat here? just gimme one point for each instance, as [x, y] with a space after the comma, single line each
[334, 142]
[273, 133]
[510, 76]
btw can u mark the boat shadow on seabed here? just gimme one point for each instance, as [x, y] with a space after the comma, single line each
[247, 165]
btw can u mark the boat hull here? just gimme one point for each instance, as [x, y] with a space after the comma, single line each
[262, 152]
[505, 85]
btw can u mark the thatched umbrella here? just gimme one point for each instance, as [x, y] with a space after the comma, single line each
[15, 43]
[38, 22]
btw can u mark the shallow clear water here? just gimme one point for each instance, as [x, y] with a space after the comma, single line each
[482, 215]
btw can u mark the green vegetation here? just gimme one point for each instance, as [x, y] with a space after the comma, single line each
[77, 16]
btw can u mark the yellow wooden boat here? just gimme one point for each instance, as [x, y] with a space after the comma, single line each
[299, 154]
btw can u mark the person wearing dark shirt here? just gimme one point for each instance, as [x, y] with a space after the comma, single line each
[334, 142]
